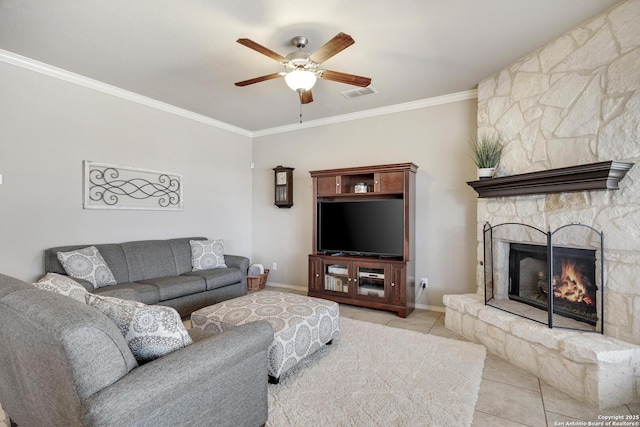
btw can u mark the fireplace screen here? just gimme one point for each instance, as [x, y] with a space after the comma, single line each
[573, 280]
[549, 282]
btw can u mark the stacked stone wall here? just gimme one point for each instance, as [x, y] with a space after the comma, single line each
[576, 101]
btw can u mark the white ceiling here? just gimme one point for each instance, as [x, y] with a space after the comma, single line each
[184, 53]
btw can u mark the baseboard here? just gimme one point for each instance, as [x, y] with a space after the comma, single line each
[430, 307]
[285, 286]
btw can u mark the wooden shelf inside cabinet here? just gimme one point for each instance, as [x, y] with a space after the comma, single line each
[363, 281]
[592, 176]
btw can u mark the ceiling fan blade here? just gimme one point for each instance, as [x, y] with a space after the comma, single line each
[263, 50]
[337, 44]
[349, 79]
[259, 79]
[306, 97]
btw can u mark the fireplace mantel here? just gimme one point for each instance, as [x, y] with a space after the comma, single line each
[592, 176]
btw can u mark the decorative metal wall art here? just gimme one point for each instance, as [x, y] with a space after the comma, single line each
[109, 186]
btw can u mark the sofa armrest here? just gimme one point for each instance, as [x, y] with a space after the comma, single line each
[221, 378]
[241, 263]
[237, 261]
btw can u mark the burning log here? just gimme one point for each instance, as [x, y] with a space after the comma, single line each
[543, 286]
[571, 285]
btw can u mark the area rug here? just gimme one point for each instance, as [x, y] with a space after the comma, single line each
[375, 375]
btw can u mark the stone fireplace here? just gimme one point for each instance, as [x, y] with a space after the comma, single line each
[574, 101]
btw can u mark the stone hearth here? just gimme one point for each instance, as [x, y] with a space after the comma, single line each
[602, 371]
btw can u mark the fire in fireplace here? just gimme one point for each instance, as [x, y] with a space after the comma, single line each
[573, 280]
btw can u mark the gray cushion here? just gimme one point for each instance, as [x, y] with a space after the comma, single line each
[129, 294]
[177, 286]
[190, 303]
[218, 277]
[147, 294]
[182, 253]
[148, 259]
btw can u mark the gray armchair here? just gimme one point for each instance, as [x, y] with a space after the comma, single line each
[63, 363]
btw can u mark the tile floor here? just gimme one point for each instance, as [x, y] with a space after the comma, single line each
[508, 395]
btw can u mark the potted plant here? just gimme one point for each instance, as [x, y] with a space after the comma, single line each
[486, 152]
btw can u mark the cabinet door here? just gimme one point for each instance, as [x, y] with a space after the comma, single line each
[398, 284]
[389, 182]
[328, 185]
[371, 281]
[336, 277]
[315, 273]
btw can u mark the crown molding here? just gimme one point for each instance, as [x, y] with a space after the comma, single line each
[413, 105]
[68, 76]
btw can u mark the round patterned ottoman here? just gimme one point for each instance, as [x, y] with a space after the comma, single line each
[301, 324]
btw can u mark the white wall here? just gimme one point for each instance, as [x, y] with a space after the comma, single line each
[49, 126]
[435, 138]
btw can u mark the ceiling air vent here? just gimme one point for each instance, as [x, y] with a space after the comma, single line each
[361, 91]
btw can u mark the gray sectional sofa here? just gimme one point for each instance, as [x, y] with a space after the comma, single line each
[160, 272]
[64, 363]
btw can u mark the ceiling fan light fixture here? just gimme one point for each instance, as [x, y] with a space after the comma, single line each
[300, 80]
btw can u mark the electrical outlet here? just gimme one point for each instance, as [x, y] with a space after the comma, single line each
[424, 282]
[274, 266]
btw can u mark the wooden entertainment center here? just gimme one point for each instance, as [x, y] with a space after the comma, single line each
[380, 282]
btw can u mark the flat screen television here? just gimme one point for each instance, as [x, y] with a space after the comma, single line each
[367, 227]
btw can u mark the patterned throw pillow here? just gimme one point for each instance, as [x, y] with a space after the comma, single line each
[62, 285]
[150, 331]
[207, 254]
[87, 264]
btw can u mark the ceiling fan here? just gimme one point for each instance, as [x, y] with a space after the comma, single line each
[301, 68]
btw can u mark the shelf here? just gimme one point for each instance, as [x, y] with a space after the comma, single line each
[593, 176]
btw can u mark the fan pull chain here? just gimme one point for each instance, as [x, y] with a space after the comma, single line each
[300, 95]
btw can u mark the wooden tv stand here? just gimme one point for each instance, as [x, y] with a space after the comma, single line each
[374, 282]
